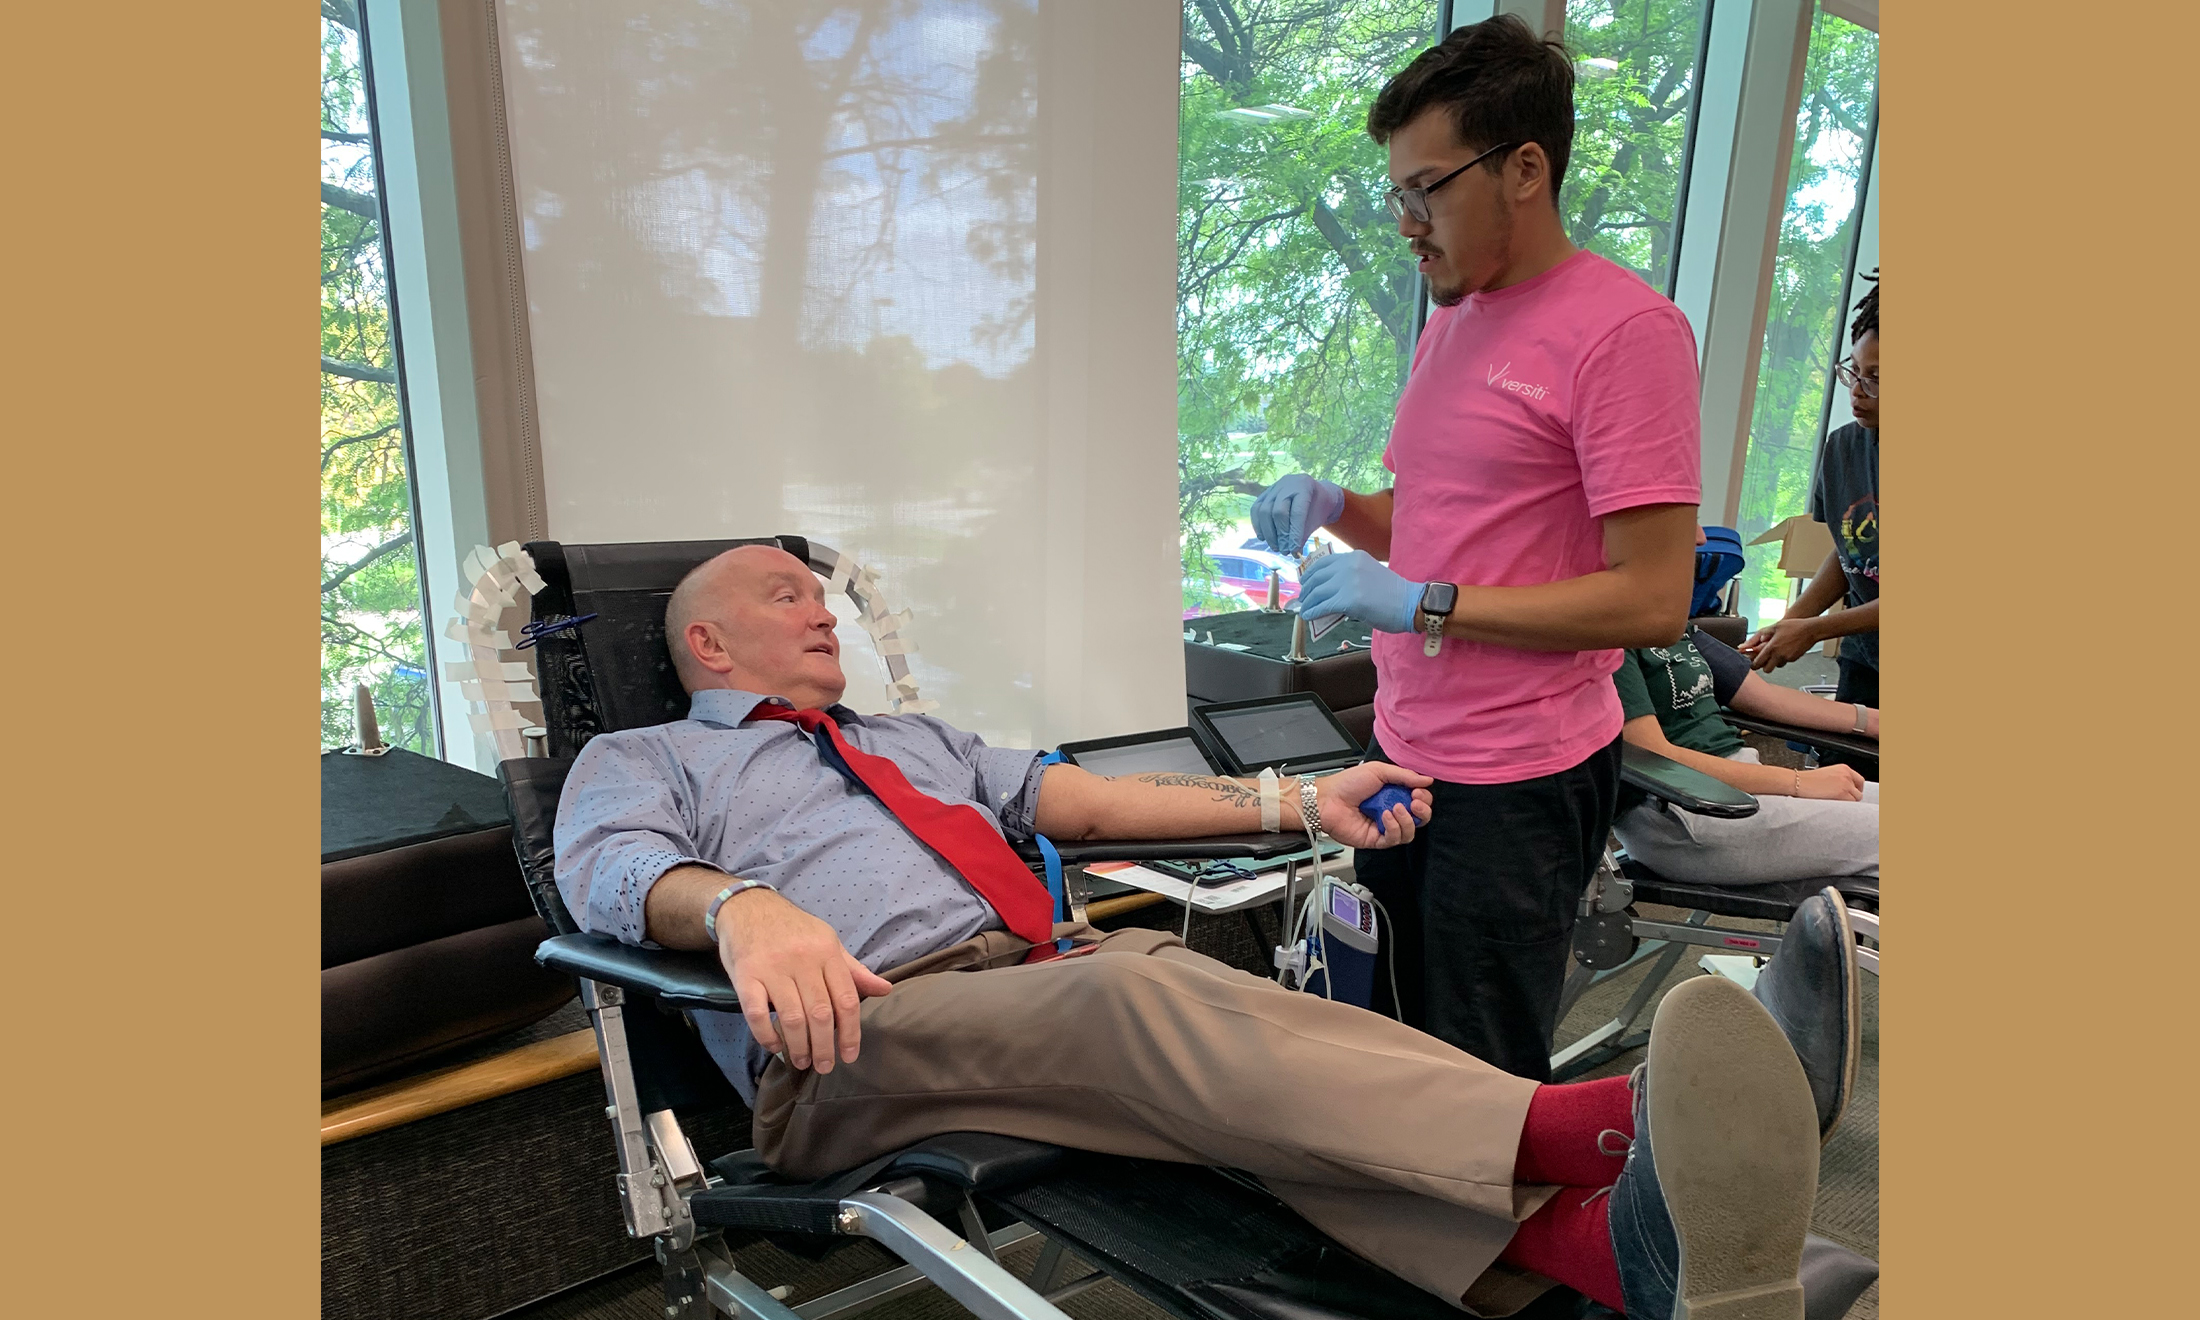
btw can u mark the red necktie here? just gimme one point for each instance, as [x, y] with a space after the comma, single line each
[958, 832]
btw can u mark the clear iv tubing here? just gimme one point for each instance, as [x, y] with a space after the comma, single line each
[1320, 937]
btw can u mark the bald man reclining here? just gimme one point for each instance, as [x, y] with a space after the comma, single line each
[851, 872]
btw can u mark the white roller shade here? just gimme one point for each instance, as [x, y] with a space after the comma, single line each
[895, 274]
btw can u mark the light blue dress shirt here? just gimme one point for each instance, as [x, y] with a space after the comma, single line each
[755, 800]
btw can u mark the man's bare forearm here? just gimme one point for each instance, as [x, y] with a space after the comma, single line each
[1640, 598]
[1365, 522]
[1076, 804]
[673, 912]
[1602, 610]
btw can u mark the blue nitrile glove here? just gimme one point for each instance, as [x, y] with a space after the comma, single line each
[1294, 506]
[1361, 586]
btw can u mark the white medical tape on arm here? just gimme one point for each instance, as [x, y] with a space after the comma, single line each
[1271, 804]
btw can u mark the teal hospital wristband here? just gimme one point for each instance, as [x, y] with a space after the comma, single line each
[710, 914]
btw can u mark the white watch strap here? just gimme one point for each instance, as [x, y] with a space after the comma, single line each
[1861, 708]
[1271, 800]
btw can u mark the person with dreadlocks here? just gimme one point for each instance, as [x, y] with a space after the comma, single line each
[1844, 495]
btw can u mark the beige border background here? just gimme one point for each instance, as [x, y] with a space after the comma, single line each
[159, 673]
[160, 241]
[2035, 1158]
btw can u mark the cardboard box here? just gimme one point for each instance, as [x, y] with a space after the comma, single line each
[1804, 544]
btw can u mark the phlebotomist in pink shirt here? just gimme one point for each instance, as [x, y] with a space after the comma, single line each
[1543, 518]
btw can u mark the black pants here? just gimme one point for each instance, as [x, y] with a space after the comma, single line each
[1482, 905]
[1858, 682]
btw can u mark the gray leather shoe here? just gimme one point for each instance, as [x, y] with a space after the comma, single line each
[1811, 989]
[1710, 1211]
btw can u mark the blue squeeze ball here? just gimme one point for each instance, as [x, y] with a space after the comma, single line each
[1386, 797]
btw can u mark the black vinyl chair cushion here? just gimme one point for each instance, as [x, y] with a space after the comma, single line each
[979, 1161]
[1688, 789]
[676, 980]
[1770, 902]
[1852, 744]
[1833, 1278]
[753, 1197]
[1245, 847]
[531, 789]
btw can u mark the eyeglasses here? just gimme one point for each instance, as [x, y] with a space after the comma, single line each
[1413, 202]
[1848, 375]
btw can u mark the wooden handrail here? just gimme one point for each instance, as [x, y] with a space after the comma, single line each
[1102, 908]
[394, 1103]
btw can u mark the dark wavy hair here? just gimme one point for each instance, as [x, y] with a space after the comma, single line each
[1500, 81]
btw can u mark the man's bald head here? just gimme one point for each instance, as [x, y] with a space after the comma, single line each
[754, 618]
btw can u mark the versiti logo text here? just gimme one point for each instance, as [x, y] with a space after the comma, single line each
[1502, 379]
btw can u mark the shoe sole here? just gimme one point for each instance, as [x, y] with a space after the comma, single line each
[1736, 1135]
[1852, 983]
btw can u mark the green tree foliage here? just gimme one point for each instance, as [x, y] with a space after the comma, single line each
[1634, 91]
[1296, 299]
[1806, 327]
[1295, 296]
[371, 628]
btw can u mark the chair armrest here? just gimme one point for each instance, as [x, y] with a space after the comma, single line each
[1691, 790]
[1246, 847]
[677, 980]
[1855, 744]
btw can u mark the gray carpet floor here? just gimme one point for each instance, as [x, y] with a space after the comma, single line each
[1847, 1210]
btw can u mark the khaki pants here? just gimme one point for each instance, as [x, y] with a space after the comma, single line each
[1392, 1142]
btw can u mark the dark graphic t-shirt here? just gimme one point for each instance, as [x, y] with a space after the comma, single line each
[1844, 495]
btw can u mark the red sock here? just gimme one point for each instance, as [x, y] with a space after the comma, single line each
[1572, 1243]
[1562, 1141]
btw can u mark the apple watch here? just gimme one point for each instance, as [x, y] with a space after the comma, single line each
[1437, 599]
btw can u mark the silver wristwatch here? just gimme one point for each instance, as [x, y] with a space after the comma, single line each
[1309, 806]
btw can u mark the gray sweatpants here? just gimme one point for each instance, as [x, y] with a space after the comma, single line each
[1789, 838]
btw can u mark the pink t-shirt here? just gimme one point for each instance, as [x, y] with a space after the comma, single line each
[1530, 413]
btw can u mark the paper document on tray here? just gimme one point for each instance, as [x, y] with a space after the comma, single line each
[1261, 888]
[1316, 627]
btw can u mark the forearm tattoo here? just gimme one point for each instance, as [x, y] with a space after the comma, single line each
[1231, 791]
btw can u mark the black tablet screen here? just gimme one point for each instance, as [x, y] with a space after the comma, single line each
[1279, 734]
[1177, 755]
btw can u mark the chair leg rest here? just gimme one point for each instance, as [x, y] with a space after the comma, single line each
[735, 1294]
[962, 1272]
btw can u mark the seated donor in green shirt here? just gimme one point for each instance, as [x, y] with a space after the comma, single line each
[1810, 824]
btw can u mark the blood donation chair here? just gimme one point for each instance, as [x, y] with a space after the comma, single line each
[1198, 1243]
[1611, 937]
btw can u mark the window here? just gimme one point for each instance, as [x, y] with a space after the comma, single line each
[1296, 299]
[371, 608]
[1806, 324]
[1635, 83]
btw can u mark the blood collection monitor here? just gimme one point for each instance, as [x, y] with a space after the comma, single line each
[1348, 920]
